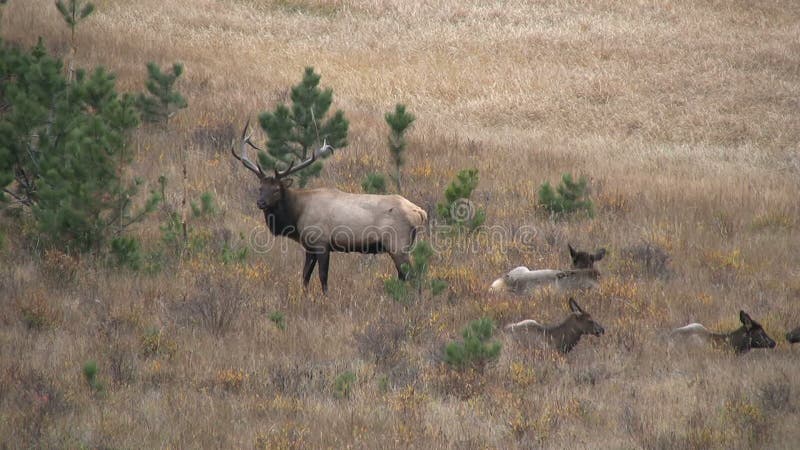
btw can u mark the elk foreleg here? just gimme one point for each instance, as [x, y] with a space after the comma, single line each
[308, 267]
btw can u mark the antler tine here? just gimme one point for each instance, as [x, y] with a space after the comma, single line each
[325, 148]
[293, 169]
[310, 160]
[283, 173]
[255, 167]
[246, 139]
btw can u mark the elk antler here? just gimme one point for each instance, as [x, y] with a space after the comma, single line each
[320, 152]
[255, 167]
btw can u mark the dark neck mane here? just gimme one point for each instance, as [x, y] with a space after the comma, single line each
[282, 218]
[737, 339]
[564, 336]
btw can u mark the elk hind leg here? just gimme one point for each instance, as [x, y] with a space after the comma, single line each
[403, 265]
[308, 267]
[324, 259]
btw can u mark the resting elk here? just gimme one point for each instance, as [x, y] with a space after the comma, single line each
[329, 220]
[564, 336]
[583, 275]
[750, 335]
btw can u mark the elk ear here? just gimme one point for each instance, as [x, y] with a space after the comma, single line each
[574, 307]
[572, 251]
[746, 320]
[599, 255]
[287, 182]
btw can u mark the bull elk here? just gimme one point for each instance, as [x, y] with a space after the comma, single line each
[329, 220]
[750, 335]
[564, 336]
[583, 275]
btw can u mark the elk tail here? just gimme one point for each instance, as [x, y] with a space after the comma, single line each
[423, 216]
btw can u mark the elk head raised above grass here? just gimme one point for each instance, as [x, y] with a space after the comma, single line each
[793, 336]
[329, 220]
[750, 335]
[585, 260]
[583, 275]
[564, 336]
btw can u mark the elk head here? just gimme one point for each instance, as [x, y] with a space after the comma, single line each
[584, 260]
[793, 336]
[273, 187]
[754, 334]
[583, 321]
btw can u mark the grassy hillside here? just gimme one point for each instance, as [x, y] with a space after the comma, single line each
[683, 116]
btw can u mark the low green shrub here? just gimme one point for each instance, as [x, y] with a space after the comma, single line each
[374, 183]
[419, 281]
[569, 197]
[343, 385]
[90, 374]
[475, 350]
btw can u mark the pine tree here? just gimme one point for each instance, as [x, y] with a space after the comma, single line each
[163, 101]
[32, 80]
[62, 150]
[295, 131]
[398, 122]
[458, 209]
[73, 12]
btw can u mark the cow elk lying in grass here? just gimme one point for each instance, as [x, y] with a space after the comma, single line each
[583, 275]
[564, 336]
[329, 220]
[793, 336]
[750, 335]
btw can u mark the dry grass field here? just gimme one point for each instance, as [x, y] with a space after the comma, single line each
[683, 116]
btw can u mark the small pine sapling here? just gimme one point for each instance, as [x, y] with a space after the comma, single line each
[126, 252]
[474, 350]
[457, 208]
[232, 255]
[163, 100]
[569, 197]
[343, 385]
[398, 122]
[420, 282]
[279, 319]
[90, 375]
[374, 183]
[206, 207]
[73, 12]
[295, 131]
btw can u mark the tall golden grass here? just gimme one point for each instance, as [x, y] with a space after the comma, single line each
[682, 115]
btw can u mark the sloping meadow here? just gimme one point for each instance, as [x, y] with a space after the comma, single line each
[681, 115]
